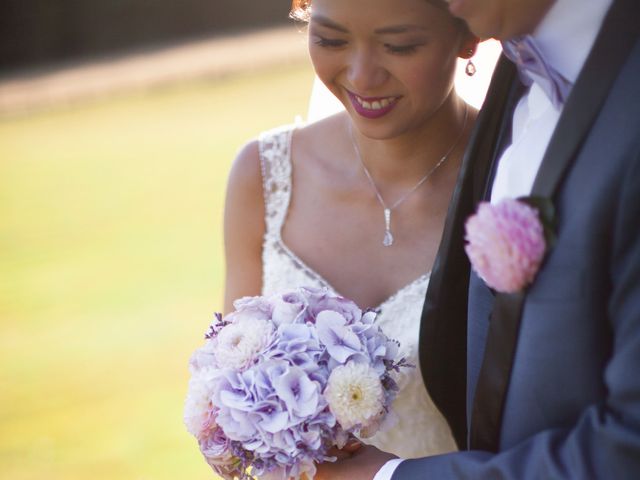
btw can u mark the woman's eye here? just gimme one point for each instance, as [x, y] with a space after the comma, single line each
[329, 42]
[401, 49]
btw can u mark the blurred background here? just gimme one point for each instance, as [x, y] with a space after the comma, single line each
[118, 124]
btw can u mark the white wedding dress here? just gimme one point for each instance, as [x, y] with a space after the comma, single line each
[420, 429]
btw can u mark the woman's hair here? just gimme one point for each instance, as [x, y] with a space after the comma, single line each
[301, 9]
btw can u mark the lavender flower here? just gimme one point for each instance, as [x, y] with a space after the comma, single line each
[320, 300]
[341, 341]
[289, 307]
[215, 447]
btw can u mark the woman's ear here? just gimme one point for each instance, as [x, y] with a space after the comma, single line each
[469, 46]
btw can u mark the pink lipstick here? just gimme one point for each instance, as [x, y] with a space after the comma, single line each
[372, 107]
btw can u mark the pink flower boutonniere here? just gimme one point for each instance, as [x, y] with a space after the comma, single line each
[506, 242]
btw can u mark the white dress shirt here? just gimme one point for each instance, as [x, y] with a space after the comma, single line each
[565, 38]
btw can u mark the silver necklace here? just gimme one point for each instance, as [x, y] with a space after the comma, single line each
[387, 240]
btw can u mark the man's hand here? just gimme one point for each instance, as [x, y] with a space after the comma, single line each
[362, 465]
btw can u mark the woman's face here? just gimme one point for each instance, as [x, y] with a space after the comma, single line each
[390, 62]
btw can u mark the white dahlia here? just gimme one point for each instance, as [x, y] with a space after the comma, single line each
[239, 344]
[355, 395]
[198, 406]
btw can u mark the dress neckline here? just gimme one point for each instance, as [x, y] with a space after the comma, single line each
[277, 230]
[325, 283]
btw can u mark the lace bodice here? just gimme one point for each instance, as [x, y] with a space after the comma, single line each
[419, 429]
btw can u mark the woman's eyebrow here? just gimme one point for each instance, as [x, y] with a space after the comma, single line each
[327, 22]
[399, 29]
[392, 29]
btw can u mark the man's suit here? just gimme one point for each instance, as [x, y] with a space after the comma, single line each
[556, 390]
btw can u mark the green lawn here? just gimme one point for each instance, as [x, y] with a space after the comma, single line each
[110, 268]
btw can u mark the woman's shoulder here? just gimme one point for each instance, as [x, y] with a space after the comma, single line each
[301, 134]
[320, 131]
[321, 145]
[276, 144]
[245, 174]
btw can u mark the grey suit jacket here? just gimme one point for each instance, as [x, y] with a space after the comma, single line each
[558, 388]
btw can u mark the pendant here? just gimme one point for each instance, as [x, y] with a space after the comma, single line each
[388, 236]
[388, 239]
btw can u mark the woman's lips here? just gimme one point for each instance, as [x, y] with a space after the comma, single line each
[372, 107]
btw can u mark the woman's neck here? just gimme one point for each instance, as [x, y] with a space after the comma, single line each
[407, 157]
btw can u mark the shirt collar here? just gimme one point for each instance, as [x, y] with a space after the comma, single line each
[567, 34]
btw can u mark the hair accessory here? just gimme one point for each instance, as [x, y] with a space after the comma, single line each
[388, 236]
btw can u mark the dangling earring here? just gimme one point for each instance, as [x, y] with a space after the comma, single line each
[470, 69]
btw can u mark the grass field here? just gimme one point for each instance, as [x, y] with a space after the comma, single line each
[110, 268]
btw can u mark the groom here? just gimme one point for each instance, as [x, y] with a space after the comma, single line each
[545, 382]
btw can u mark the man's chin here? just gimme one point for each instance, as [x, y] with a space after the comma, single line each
[483, 26]
[498, 18]
[461, 8]
[478, 23]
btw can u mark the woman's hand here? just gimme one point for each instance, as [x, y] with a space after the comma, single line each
[351, 447]
[361, 464]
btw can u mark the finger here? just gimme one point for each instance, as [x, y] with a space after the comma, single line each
[353, 445]
[339, 454]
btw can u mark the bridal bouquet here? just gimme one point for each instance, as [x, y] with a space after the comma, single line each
[284, 378]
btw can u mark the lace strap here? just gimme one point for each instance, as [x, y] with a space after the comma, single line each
[275, 162]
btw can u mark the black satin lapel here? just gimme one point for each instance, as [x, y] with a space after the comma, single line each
[613, 45]
[443, 329]
[483, 183]
[486, 415]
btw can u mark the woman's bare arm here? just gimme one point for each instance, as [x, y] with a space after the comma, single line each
[243, 227]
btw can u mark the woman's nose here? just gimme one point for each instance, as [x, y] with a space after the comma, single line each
[365, 72]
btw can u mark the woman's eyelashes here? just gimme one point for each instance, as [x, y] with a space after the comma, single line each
[402, 49]
[406, 49]
[329, 42]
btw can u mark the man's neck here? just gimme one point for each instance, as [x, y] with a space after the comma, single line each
[526, 17]
[567, 32]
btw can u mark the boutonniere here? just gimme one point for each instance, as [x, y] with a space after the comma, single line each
[507, 242]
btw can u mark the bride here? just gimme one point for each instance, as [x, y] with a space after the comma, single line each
[356, 202]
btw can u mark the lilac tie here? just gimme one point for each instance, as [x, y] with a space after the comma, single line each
[532, 67]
